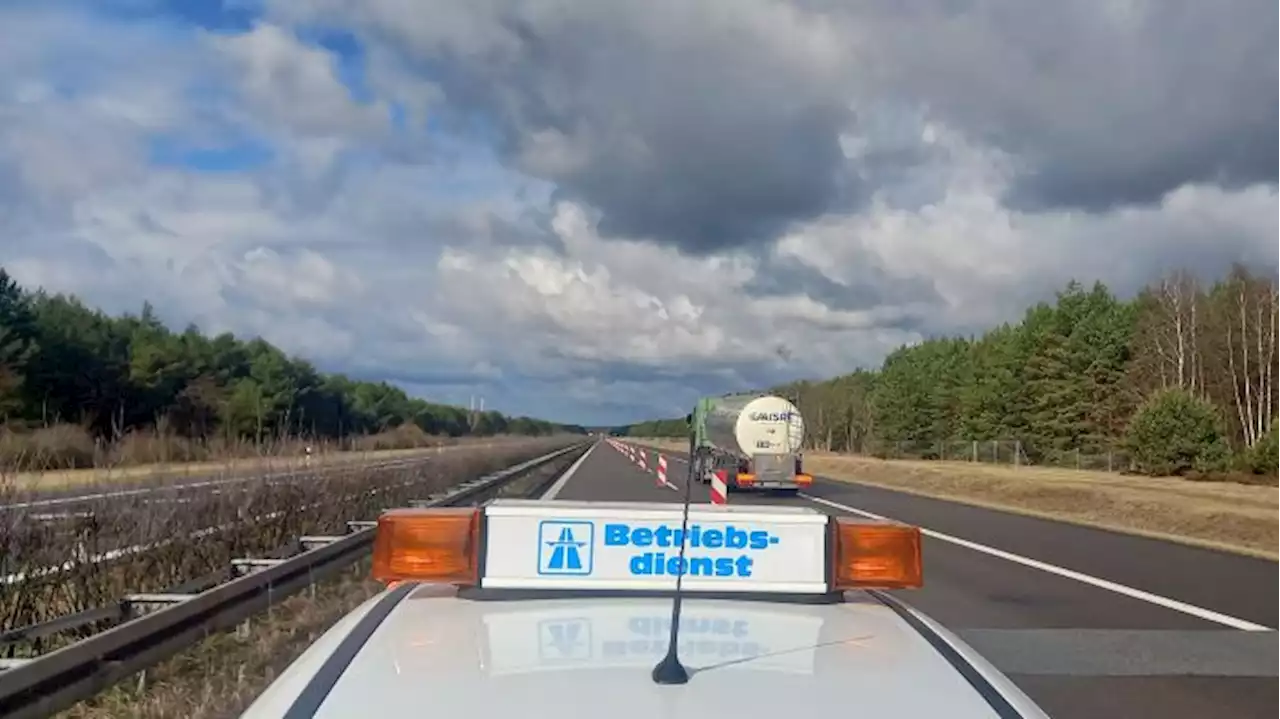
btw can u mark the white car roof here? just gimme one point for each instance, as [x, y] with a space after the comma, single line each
[419, 650]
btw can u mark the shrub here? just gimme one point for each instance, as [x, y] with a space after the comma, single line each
[60, 446]
[1264, 456]
[150, 447]
[1175, 432]
[405, 436]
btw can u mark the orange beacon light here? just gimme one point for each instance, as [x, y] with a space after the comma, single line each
[875, 554]
[429, 545]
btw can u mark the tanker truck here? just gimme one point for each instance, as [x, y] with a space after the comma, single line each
[754, 438]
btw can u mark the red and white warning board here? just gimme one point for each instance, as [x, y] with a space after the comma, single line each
[719, 487]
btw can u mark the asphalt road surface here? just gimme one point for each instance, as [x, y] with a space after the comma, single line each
[1089, 623]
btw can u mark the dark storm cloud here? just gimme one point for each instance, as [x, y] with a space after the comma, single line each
[482, 226]
[693, 380]
[708, 188]
[785, 276]
[1102, 103]
[704, 126]
[691, 125]
[1143, 175]
[567, 367]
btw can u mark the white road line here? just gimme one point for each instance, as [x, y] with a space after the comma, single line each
[1132, 592]
[554, 490]
[1175, 605]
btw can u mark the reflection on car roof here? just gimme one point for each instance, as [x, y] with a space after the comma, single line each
[747, 659]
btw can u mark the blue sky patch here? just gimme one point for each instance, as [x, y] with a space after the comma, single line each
[215, 15]
[350, 54]
[236, 156]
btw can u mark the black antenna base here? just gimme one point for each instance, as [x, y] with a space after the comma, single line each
[670, 671]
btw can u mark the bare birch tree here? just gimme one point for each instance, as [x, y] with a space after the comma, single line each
[1246, 311]
[1167, 339]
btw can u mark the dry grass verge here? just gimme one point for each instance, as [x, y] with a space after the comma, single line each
[222, 675]
[1233, 517]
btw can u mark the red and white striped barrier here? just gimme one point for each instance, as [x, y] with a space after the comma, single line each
[644, 461]
[719, 488]
[662, 470]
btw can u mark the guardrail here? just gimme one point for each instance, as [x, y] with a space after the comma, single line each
[57, 680]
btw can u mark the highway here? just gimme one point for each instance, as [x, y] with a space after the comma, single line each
[1089, 623]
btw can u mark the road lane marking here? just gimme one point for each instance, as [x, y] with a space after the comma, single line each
[1132, 592]
[1100, 583]
[554, 490]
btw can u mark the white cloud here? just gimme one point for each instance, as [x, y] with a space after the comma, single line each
[295, 87]
[436, 259]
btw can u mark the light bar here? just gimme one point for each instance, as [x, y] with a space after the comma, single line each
[524, 544]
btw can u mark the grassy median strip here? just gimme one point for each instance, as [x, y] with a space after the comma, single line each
[1219, 515]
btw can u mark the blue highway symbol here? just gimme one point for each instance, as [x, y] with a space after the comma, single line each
[564, 552]
[565, 547]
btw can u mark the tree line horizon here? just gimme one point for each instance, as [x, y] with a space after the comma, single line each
[62, 362]
[1179, 379]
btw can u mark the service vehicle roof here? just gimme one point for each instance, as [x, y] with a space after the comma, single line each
[562, 609]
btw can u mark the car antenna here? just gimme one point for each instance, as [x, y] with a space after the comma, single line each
[670, 670]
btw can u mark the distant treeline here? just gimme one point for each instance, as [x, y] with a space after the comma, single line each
[64, 363]
[656, 428]
[1180, 379]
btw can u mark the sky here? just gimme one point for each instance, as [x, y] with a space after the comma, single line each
[595, 212]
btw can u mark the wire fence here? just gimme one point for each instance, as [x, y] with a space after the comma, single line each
[1011, 452]
[1000, 451]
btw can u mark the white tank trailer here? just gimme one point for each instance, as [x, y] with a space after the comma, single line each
[755, 438]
